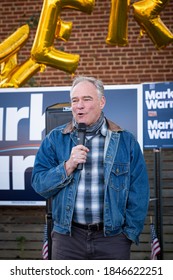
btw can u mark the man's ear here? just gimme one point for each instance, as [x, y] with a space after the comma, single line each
[102, 102]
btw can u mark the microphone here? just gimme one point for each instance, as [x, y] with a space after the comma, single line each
[81, 139]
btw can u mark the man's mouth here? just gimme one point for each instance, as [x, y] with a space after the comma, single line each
[80, 114]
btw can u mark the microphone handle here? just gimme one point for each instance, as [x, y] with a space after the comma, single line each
[80, 166]
[81, 141]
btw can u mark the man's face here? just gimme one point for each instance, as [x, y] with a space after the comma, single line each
[86, 105]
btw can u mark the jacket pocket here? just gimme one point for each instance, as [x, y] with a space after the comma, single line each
[119, 176]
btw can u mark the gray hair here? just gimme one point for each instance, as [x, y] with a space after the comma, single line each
[97, 83]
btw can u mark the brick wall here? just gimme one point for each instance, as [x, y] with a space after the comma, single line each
[138, 62]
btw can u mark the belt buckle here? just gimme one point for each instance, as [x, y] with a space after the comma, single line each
[93, 226]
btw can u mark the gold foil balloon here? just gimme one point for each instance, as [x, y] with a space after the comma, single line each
[7, 68]
[24, 72]
[63, 30]
[43, 50]
[118, 23]
[51, 27]
[13, 43]
[43, 53]
[146, 13]
[8, 54]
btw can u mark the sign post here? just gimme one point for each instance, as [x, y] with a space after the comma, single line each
[158, 201]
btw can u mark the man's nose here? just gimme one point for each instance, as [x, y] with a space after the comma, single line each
[80, 104]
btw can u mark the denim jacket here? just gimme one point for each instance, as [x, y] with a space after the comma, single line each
[125, 180]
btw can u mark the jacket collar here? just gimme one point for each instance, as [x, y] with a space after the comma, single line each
[111, 126]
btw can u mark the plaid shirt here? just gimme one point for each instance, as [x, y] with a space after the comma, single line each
[90, 194]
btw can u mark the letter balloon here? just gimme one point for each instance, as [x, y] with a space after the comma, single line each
[43, 50]
[118, 23]
[146, 13]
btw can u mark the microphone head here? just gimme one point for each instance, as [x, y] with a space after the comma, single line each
[81, 126]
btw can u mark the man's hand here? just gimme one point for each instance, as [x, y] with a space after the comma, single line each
[78, 155]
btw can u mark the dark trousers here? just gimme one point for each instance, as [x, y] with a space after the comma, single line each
[89, 245]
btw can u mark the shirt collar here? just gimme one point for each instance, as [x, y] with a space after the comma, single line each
[104, 128]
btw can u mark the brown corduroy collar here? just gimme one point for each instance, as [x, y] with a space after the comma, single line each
[111, 126]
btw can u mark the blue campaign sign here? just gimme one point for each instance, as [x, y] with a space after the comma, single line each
[158, 115]
[22, 128]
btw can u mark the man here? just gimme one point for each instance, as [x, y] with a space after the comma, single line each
[100, 210]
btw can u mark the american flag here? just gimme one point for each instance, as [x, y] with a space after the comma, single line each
[155, 246]
[45, 244]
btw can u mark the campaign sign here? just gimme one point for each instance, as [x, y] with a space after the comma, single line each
[158, 115]
[22, 128]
